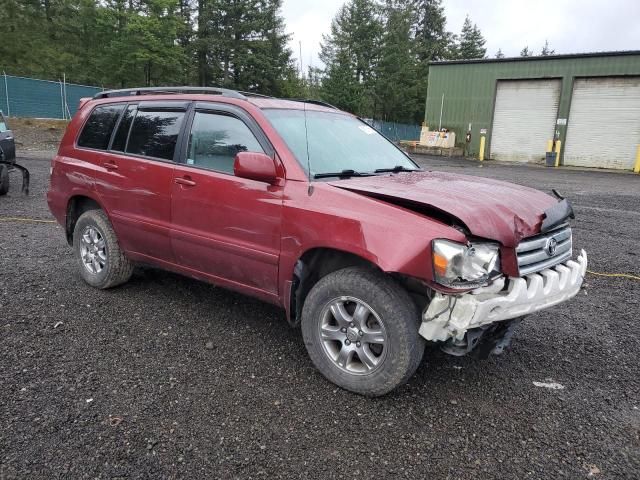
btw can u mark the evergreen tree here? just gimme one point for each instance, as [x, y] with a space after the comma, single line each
[396, 83]
[119, 43]
[525, 52]
[471, 42]
[499, 53]
[186, 36]
[38, 37]
[313, 85]
[432, 42]
[150, 54]
[339, 86]
[350, 53]
[546, 50]
[243, 45]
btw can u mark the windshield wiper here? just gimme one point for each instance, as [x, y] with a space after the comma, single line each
[342, 174]
[396, 169]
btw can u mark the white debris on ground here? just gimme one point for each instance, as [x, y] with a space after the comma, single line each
[593, 470]
[550, 384]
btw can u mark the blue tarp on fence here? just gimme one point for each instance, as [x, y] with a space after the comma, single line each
[29, 97]
[396, 131]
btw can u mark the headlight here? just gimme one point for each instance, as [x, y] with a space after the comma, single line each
[465, 266]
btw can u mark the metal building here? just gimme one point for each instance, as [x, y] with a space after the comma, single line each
[589, 102]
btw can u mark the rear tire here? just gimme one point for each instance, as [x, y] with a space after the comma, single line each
[360, 328]
[101, 261]
[4, 179]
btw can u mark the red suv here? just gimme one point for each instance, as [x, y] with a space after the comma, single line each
[309, 208]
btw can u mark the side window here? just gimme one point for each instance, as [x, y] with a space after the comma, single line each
[215, 139]
[97, 131]
[120, 139]
[154, 133]
[3, 124]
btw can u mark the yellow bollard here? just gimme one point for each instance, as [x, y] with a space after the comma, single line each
[549, 146]
[481, 154]
[558, 147]
[636, 169]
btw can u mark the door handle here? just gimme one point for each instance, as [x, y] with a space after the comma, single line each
[186, 181]
[110, 166]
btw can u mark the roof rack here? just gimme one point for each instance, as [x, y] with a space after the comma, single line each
[253, 94]
[170, 90]
[315, 102]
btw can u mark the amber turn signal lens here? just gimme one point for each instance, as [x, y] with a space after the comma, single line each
[440, 264]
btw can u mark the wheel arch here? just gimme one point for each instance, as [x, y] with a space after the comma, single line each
[313, 265]
[318, 262]
[76, 206]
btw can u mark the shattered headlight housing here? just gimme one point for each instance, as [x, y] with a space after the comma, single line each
[460, 266]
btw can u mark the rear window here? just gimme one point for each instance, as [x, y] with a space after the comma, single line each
[97, 131]
[155, 133]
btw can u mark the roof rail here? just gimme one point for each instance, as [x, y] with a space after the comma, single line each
[254, 94]
[315, 102]
[170, 90]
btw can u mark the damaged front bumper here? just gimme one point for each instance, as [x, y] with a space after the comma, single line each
[451, 316]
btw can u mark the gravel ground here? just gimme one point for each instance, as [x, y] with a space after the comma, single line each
[167, 377]
[37, 134]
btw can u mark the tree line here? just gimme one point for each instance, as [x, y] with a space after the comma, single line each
[121, 43]
[376, 55]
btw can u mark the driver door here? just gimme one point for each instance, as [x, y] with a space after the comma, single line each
[225, 226]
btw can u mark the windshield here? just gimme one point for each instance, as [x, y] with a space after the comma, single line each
[337, 142]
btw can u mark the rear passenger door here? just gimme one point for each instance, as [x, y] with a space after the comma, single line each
[225, 226]
[134, 177]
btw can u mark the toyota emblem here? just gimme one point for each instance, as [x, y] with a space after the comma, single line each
[552, 245]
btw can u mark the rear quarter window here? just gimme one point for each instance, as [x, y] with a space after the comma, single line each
[96, 133]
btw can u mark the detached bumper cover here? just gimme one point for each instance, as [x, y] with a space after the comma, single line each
[450, 316]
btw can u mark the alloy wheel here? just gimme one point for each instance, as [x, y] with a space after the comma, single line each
[93, 250]
[353, 335]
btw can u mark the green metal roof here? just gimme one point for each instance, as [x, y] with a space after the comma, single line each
[620, 53]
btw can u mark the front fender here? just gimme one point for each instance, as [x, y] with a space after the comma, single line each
[395, 239]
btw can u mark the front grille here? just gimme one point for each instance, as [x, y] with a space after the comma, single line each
[537, 253]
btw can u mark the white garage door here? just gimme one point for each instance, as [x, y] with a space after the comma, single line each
[604, 123]
[524, 119]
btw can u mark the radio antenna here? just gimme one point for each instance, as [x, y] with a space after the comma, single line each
[306, 136]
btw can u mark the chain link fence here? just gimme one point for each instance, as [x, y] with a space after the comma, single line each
[30, 97]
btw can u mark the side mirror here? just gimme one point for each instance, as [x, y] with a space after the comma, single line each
[255, 166]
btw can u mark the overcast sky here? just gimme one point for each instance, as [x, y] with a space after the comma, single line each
[571, 26]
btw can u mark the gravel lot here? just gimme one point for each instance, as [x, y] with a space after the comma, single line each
[167, 377]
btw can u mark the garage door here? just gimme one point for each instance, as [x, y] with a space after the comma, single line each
[604, 123]
[524, 119]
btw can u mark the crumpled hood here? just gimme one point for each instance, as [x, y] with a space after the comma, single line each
[492, 209]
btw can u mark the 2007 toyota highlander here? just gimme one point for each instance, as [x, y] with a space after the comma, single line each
[309, 208]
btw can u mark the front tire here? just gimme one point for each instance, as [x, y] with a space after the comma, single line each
[101, 262]
[360, 328]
